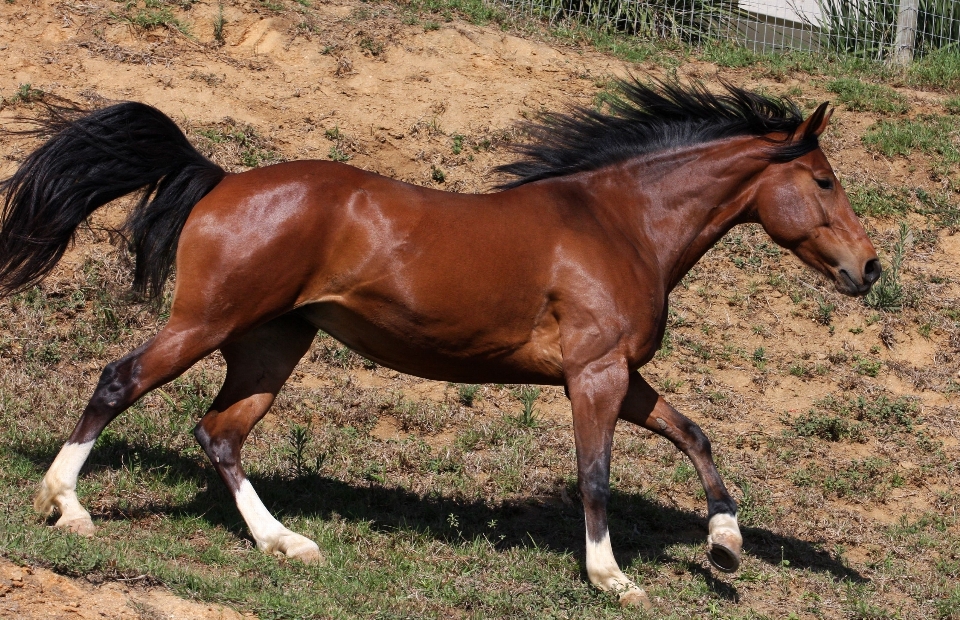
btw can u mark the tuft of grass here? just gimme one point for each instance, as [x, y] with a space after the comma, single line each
[826, 426]
[467, 393]
[242, 143]
[152, 15]
[338, 151]
[26, 93]
[948, 607]
[823, 313]
[952, 105]
[939, 70]
[457, 147]
[527, 395]
[219, 22]
[372, 46]
[729, 54]
[877, 201]
[862, 96]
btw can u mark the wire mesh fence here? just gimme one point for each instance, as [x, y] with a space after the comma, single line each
[898, 30]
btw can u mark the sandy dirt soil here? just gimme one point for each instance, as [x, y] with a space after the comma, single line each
[30, 592]
[392, 96]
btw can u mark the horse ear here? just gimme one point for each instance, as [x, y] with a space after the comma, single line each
[815, 123]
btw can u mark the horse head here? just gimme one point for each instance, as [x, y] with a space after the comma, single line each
[801, 204]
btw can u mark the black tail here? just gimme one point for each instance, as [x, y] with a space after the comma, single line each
[90, 160]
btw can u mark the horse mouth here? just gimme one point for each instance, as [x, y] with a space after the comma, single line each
[848, 286]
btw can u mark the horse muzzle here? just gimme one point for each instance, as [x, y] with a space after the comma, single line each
[859, 285]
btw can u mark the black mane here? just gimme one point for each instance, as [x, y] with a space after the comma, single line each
[646, 118]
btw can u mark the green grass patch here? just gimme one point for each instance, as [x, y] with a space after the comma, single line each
[150, 15]
[952, 105]
[931, 134]
[856, 418]
[877, 201]
[236, 144]
[939, 70]
[862, 96]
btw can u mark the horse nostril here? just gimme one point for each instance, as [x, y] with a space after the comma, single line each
[871, 271]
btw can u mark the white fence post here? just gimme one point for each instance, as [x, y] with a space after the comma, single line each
[906, 32]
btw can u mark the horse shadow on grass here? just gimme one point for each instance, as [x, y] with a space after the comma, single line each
[640, 528]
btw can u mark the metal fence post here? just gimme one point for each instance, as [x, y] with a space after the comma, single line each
[906, 32]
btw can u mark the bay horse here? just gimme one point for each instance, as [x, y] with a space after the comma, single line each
[561, 278]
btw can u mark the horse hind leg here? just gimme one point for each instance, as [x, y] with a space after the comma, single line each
[121, 383]
[258, 364]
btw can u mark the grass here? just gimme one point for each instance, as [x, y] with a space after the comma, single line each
[888, 293]
[241, 146]
[933, 135]
[152, 14]
[862, 96]
[25, 94]
[474, 512]
[219, 23]
[338, 151]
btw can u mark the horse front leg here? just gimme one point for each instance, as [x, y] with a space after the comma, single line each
[596, 395]
[643, 406]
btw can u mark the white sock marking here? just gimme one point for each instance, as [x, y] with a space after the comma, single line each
[269, 533]
[603, 571]
[59, 487]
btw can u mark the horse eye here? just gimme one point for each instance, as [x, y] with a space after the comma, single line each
[825, 183]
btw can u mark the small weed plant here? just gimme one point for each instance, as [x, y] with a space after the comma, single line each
[218, 24]
[467, 393]
[529, 416]
[887, 293]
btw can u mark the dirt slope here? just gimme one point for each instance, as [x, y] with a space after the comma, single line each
[432, 105]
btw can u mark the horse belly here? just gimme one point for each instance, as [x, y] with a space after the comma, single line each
[462, 355]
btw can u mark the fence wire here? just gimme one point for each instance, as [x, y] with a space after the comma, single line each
[880, 29]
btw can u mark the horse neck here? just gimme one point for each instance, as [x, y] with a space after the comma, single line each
[685, 200]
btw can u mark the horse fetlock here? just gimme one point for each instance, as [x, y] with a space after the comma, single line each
[44, 501]
[724, 543]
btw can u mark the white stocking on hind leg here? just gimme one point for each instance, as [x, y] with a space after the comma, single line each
[258, 364]
[121, 383]
[58, 490]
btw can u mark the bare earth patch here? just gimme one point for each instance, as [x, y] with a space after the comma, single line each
[756, 340]
[31, 593]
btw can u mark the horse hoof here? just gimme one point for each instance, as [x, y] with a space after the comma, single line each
[82, 526]
[297, 547]
[635, 597]
[308, 556]
[723, 558]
